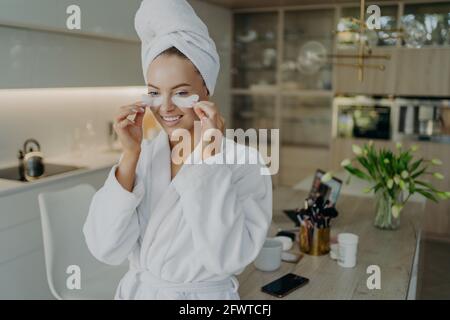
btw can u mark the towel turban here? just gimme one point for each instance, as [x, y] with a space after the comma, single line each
[162, 24]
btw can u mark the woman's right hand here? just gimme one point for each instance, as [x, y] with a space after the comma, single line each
[130, 133]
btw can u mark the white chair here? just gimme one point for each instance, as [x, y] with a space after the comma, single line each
[63, 214]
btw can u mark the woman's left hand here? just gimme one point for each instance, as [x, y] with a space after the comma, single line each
[210, 118]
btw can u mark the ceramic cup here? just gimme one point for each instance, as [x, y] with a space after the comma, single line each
[269, 258]
[347, 249]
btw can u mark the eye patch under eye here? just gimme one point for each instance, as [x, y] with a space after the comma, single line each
[151, 101]
[185, 102]
[180, 102]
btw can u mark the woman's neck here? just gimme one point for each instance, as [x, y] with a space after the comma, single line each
[193, 142]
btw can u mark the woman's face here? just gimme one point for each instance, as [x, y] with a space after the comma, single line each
[170, 75]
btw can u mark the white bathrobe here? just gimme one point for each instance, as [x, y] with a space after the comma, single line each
[185, 238]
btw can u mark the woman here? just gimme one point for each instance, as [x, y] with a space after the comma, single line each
[186, 228]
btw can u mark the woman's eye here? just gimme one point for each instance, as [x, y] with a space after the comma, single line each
[182, 93]
[153, 93]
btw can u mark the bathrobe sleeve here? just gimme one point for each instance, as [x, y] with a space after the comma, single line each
[112, 229]
[229, 213]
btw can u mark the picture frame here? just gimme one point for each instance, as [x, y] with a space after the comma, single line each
[329, 190]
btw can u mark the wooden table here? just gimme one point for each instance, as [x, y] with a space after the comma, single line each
[392, 251]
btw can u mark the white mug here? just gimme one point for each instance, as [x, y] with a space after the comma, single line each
[347, 249]
[269, 258]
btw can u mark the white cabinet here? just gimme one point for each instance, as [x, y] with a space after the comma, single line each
[36, 59]
[38, 51]
[22, 267]
[105, 18]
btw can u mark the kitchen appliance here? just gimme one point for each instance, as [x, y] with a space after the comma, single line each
[31, 160]
[363, 117]
[424, 118]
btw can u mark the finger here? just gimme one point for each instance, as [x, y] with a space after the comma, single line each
[139, 119]
[132, 106]
[209, 108]
[137, 104]
[200, 113]
[124, 123]
[128, 110]
[118, 126]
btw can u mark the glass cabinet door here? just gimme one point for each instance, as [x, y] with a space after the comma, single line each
[427, 24]
[348, 36]
[253, 111]
[306, 121]
[308, 38]
[255, 54]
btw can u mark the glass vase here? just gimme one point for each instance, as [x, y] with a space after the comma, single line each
[384, 219]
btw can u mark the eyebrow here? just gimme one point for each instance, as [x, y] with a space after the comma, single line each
[177, 86]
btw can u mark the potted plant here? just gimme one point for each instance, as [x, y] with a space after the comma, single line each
[395, 177]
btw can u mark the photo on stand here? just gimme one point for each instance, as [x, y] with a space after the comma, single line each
[326, 190]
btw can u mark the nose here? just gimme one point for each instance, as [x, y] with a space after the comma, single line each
[167, 104]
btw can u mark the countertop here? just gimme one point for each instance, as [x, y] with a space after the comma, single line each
[392, 251]
[98, 159]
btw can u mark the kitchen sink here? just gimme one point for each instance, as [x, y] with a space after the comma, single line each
[51, 169]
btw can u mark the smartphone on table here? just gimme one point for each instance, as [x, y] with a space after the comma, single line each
[284, 285]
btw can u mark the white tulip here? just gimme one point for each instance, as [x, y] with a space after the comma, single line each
[439, 176]
[367, 190]
[345, 162]
[405, 174]
[326, 177]
[396, 210]
[390, 183]
[357, 150]
[436, 162]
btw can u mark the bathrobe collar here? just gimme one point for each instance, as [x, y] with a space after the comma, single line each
[160, 168]
[160, 162]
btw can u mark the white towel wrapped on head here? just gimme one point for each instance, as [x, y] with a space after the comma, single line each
[162, 24]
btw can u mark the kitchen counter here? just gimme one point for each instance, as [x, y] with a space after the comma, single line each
[393, 251]
[89, 161]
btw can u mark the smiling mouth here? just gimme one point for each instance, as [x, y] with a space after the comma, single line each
[171, 119]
